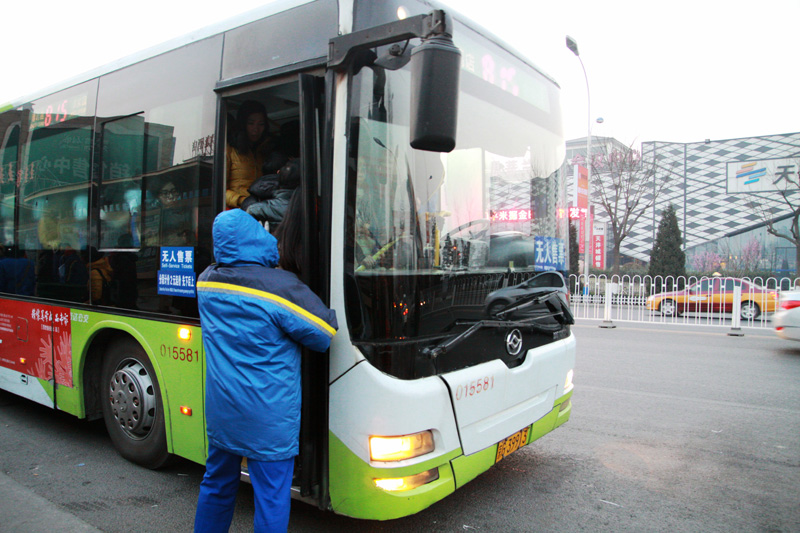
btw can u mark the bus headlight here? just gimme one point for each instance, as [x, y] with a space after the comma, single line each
[568, 382]
[400, 447]
[397, 484]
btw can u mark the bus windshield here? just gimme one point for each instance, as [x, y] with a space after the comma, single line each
[432, 234]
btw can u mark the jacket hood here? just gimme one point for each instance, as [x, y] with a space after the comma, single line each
[239, 238]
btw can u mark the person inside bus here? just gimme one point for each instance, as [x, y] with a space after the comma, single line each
[253, 394]
[290, 236]
[269, 205]
[71, 274]
[265, 186]
[174, 224]
[166, 223]
[100, 275]
[245, 152]
[366, 247]
[17, 272]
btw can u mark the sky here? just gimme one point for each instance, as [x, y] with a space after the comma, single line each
[679, 71]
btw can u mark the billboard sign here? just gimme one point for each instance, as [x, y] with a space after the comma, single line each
[581, 177]
[599, 251]
[550, 254]
[764, 175]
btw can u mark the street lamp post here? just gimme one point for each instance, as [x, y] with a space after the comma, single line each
[588, 230]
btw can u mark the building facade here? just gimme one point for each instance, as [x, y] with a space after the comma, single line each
[724, 192]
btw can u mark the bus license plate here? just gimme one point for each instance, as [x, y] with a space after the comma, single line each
[511, 444]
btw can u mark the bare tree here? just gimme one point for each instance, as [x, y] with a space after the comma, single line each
[626, 187]
[741, 259]
[787, 202]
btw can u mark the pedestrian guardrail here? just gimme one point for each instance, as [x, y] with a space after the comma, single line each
[678, 300]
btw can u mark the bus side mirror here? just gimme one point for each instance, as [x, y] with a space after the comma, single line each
[435, 69]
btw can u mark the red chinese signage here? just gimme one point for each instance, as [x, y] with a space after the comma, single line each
[39, 337]
[579, 214]
[581, 186]
[599, 251]
[512, 215]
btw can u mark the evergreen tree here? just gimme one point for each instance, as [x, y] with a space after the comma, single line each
[667, 258]
[574, 254]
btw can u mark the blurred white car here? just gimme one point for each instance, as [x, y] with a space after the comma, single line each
[787, 318]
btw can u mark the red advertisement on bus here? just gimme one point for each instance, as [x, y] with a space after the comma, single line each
[37, 340]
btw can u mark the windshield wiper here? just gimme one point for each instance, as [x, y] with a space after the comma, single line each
[560, 311]
[445, 346]
[550, 298]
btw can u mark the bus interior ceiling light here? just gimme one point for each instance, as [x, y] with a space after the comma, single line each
[400, 447]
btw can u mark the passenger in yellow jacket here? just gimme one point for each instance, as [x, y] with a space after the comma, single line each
[245, 152]
[100, 272]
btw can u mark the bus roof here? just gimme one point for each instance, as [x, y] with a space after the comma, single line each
[242, 19]
[237, 21]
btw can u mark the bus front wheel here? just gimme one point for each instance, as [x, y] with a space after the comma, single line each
[132, 408]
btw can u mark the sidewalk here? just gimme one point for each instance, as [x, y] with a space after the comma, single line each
[23, 511]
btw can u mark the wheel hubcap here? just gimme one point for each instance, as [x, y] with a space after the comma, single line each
[132, 398]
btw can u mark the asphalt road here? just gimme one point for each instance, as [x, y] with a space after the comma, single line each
[673, 429]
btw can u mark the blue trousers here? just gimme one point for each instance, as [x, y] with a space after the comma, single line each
[272, 481]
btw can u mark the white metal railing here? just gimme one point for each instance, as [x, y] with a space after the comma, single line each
[624, 298]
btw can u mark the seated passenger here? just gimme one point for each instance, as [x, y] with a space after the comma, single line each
[100, 275]
[366, 247]
[174, 223]
[167, 223]
[71, 269]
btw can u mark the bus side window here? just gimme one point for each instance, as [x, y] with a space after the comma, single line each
[54, 190]
[159, 149]
[121, 182]
[8, 173]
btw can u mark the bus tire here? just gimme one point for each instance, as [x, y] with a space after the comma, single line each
[132, 407]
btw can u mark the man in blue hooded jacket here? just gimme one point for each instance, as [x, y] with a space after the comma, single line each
[255, 318]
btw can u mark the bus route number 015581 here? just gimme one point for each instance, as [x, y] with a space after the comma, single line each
[179, 353]
[476, 386]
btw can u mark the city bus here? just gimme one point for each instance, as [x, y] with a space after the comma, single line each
[414, 128]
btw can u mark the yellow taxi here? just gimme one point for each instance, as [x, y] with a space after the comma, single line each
[715, 295]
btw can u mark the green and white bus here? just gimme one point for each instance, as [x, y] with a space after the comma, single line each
[414, 128]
